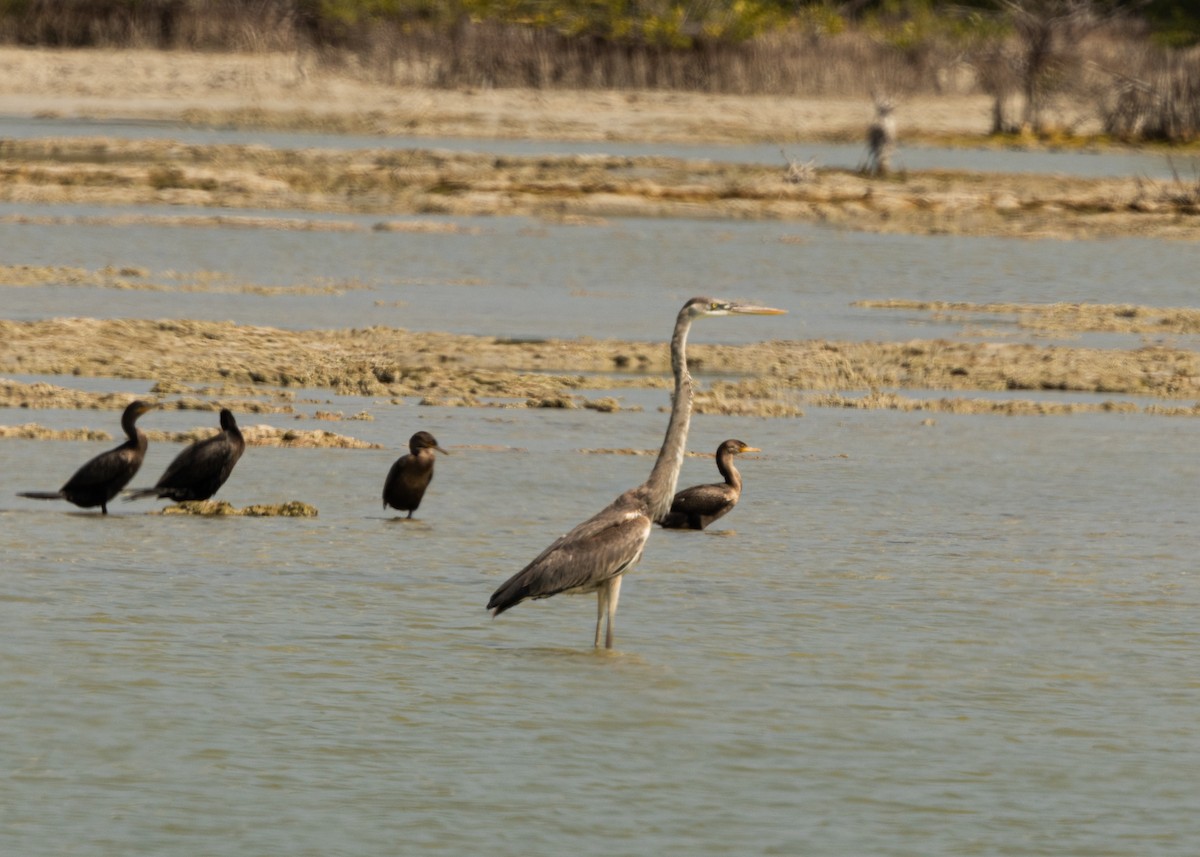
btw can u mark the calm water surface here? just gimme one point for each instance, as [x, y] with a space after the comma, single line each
[524, 278]
[975, 636]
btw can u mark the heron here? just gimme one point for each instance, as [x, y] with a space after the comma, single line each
[103, 477]
[595, 555]
[202, 468]
[411, 474]
[696, 507]
[881, 138]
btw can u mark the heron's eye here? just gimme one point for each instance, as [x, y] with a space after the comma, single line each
[714, 305]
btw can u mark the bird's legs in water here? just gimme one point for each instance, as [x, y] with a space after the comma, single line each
[606, 607]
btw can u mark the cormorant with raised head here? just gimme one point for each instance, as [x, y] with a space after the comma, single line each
[202, 468]
[696, 507]
[104, 476]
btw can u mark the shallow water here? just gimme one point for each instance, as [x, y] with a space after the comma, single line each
[517, 277]
[975, 636]
[970, 636]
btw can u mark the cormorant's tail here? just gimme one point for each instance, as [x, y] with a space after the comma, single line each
[139, 493]
[41, 495]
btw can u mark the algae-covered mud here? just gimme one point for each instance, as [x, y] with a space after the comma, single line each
[223, 509]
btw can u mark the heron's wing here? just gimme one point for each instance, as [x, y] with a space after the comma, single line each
[597, 550]
[703, 500]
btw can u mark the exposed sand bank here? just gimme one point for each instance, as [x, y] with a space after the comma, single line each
[383, 182]
[449, 369]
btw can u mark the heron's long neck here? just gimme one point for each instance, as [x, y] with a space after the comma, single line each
[663, 477]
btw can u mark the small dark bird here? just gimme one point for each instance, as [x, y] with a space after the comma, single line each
[411, 474]
[200, 470]
[696, 507]
[595, 555]
[104, 476]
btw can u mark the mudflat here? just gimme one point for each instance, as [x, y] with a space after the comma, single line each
[251, 366]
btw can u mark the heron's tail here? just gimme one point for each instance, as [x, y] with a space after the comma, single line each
[41, 495]
[511, 593]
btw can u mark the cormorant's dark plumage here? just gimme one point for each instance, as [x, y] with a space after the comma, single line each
[411, 474]
[104, 476]
[696, 507]
[200, 470]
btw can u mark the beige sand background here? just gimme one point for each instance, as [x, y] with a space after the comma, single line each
[286, 90]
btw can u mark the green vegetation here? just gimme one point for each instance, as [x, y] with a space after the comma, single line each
[664, 23]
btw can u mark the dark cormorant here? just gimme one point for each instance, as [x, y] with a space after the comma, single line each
[696, 507]
[411, 474]
[595, 555]
[200, 470]
[104, 476]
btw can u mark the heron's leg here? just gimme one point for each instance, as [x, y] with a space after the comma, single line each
[614, 592]
[601, 610]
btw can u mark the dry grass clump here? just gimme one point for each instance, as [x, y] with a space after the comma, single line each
[1156, 99]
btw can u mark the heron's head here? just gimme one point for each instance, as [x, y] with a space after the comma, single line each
[424, 440]
[708, 307]
[228, 423]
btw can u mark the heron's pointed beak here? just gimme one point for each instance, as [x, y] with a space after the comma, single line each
[442, 451]
[751, 309]
[751, 449]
